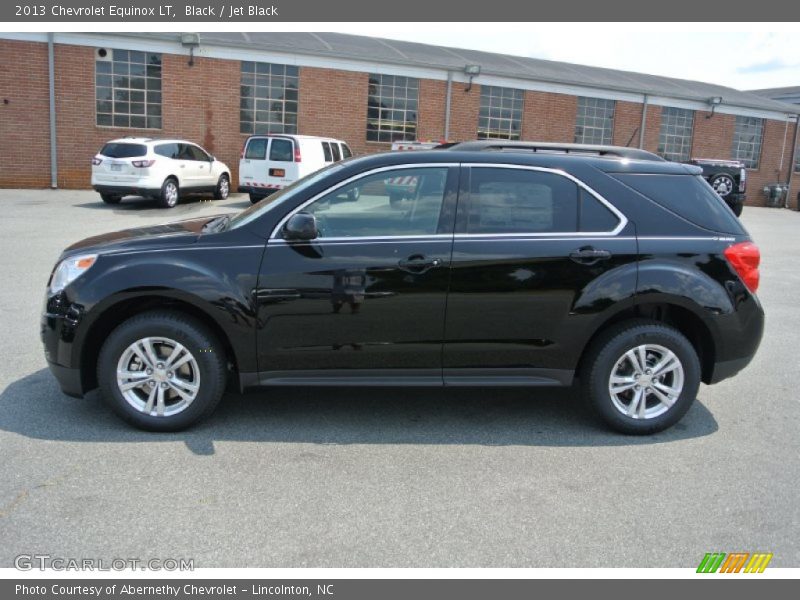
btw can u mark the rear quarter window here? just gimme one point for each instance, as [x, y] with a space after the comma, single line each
[123, 150]
[688, 196]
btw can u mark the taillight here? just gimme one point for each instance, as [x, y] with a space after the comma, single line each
[742, 179]
[745, 257]
[97, 161]
[142, 164]
[297, 152]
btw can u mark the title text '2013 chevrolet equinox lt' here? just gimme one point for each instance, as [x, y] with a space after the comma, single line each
[504, 264]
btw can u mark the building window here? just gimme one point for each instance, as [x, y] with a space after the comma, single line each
[747, 140]
[797, 159]
[595, 121]
[392, 108]
[128, 89]
[675, 138]
[500, 117]
[268, 98]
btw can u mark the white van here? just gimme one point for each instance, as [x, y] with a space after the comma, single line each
[271, 162]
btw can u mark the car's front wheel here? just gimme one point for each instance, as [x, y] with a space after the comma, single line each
[641, 377]
[223, 188]
[162, 371]
[170, 193]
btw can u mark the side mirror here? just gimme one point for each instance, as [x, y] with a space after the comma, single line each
[301, 226]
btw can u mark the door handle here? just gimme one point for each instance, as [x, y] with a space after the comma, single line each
[589, 256]
[418, 263]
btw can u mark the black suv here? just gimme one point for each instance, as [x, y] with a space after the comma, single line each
[504, 265]
[727, 177]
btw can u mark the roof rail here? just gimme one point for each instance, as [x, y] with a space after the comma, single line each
[556, 148]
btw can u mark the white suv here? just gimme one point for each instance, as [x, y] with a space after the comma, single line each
[160, 169]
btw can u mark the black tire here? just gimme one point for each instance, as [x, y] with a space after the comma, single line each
[170, 193]
[200, 342]
[737, 208]
[254, 198]
[111, 198]
[395, 199]
[354, 194]
[722, 183]
[609, 347]
[223, 188]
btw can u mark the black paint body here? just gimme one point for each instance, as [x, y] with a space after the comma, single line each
[447, 309]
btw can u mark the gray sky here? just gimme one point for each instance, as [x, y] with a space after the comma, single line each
[742, 56]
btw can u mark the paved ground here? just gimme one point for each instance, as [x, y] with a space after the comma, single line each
[388, 478]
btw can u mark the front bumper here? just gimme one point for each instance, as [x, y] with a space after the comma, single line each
[57, 332]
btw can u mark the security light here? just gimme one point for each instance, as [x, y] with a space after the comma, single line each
[191, 41]
[713, 102]
[471, 71]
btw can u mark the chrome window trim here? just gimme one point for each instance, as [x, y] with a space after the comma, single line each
[282, 222]
[623, 220]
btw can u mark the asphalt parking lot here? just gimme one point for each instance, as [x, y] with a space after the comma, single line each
[389, 478]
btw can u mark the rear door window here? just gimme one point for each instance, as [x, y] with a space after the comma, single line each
[167, 150]
[256, 149]
[337, 156]
[123, 150]
[520, 201]
[326, 151]
[281, 150]
[688, 196]
[594, 216]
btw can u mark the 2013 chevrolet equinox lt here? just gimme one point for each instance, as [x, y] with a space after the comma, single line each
[504, 264]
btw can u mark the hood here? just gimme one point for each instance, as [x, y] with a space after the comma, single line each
[180, 233]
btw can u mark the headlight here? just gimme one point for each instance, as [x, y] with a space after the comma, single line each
[69, 269]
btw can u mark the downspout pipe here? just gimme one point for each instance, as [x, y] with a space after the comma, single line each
[644, 121]
[447, 106]
[51, 80]
[792, 160]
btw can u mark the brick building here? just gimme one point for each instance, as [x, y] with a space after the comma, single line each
[364, 90]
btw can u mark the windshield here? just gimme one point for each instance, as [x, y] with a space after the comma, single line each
[274, 200]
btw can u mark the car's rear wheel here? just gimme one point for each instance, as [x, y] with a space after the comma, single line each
[223, 188]
[111, 198]
[254, 198]
[170, 193]
[641, 377]
[162, 371]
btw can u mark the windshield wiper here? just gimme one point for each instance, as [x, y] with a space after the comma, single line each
[216, 224]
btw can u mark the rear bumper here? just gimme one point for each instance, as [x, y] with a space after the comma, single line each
[728, 368]
[126, 190]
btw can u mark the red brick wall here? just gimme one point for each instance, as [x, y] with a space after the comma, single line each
[24, 119]
[549, 117]
[201, 103]
[334, 104]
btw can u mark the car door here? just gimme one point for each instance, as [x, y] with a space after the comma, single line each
[366, 299]
[253, 162]
[202, 166]
[188, 170]
[536, 257]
